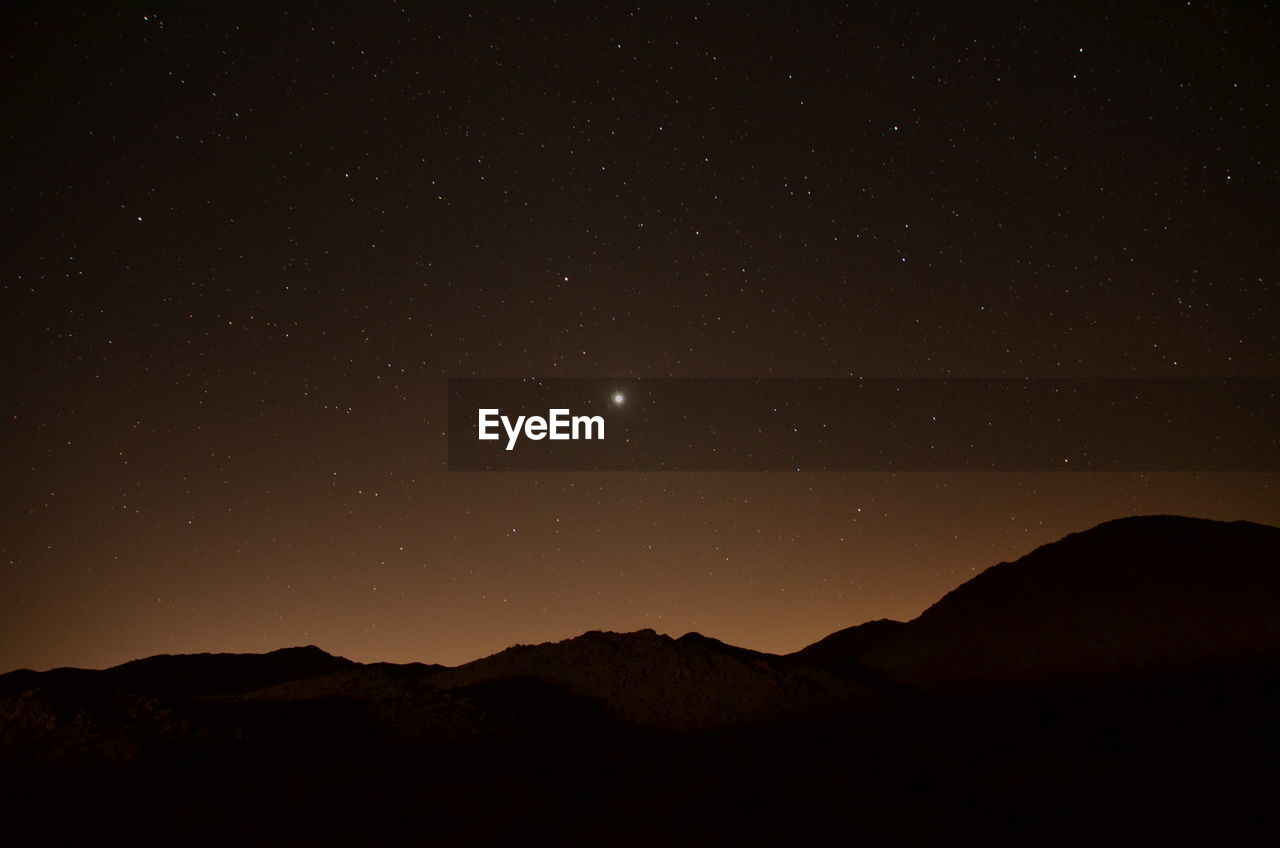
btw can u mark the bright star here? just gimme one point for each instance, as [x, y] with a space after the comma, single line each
[618, 398]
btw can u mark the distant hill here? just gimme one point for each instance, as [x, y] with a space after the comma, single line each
[188, 674]
[1135, 596]
[842, 651]
[115, 714]
[1126, 600]
[649, 680]
[1076, 695]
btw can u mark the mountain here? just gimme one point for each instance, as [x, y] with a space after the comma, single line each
[187, 674]
[224, 674]
[1127, 599]
[1136, 596]
[648, 680]
[841, 652]
[1132, 597]
[114, 715]
[1088, 688]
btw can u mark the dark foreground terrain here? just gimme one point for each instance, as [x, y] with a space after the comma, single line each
[1118, 686]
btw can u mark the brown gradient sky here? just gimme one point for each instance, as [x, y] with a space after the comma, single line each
[252, 244]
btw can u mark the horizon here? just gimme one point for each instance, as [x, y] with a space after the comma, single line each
[671, 635]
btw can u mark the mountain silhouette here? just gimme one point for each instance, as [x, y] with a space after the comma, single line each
[1132, 597]
[842, 651]
[1141, 595]
[1097, 682]
[187, 674]
[648, 680]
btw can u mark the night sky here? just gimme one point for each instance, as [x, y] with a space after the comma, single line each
[249, 244]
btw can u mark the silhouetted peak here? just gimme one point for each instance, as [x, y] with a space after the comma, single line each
[620, 637]
[1162, 523]
[310, 652]
[1140, 594]
[693, 638]
[840, 651]
[222, 674]
[649, 679]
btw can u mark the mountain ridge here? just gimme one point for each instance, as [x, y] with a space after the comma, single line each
[1144, 593]
[1132, 596]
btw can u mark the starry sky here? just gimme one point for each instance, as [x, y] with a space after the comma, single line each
[251, 242]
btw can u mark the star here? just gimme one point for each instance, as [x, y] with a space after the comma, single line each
[618, 398]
